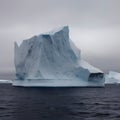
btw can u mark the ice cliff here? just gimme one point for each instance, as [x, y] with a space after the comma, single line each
[54, 57]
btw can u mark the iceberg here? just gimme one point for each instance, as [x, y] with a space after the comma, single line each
[112, 78]
[52, 59]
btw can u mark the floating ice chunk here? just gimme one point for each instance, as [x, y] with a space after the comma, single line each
[5, 81]
[112, 77]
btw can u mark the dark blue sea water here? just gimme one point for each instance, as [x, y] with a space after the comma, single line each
[18, 103]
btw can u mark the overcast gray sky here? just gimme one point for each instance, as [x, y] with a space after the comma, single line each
[94, 27]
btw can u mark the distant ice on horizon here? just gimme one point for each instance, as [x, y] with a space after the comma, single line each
[112, 77]
[6, 81]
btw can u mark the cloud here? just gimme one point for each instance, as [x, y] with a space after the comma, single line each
[94, 25]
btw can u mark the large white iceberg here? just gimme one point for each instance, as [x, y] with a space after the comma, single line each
[112, 78]
[52, 59]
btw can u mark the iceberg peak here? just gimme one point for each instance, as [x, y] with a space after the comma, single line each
[64, 29]
[60, 29]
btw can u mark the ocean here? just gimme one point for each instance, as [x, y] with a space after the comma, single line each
[18, 103]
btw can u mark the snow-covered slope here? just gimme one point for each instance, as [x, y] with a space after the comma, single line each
[112, 77]
[53, 57]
